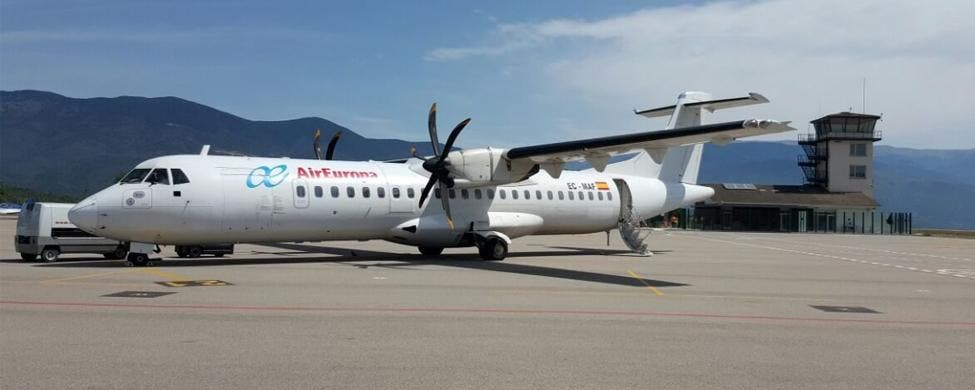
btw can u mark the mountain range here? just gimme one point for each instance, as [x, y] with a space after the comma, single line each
[69, 146]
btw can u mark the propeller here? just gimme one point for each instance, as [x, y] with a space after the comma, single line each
[317, 144]
[438, 164]
[330, 150]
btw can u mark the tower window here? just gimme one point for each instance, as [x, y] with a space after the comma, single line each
[858, 150]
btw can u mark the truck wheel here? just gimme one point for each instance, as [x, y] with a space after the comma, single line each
[180, 251]
[431, 250]
[138, 259]
[50, 255]
[28, 256]
[194, 251]
[493, 249]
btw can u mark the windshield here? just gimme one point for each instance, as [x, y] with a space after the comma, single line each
[135, 176]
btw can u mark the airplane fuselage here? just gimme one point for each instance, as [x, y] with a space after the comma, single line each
[227, 199]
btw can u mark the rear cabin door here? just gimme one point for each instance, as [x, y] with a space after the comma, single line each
[626, 200]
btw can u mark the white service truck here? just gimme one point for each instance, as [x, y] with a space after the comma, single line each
[44, 229]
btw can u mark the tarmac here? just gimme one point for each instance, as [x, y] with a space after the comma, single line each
[710, 310]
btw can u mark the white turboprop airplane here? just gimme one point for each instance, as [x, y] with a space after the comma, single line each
[487, 196]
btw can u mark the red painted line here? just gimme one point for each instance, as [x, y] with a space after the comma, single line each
[484, 310]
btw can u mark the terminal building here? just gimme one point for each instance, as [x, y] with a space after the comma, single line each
[837, 197]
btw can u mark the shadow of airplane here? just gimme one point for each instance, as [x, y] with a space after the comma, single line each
[354, 257]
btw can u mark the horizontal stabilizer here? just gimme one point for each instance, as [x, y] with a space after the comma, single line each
[710, 105]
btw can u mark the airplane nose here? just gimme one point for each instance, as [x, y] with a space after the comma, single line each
[84, 215]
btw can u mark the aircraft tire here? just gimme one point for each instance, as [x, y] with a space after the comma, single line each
[118, 254]
[180, 251]
[138, 259]
[431, 250]
[50, 255]
[494, 249]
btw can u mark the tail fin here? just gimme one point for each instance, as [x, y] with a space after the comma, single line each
[680, 163]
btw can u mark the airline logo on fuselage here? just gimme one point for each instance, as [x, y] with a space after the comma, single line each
[267, 176]
[328, 173]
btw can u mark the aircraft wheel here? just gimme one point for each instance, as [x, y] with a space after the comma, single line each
[180, 251]
[119, 253]
[494, 249]
[194, 251]
[138, 259]
[431, 250]
[50, 255]
[28, 256]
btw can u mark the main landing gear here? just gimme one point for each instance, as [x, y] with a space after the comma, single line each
[139, 259]
[493, 248]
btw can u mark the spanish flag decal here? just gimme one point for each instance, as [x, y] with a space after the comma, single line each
[602, 186]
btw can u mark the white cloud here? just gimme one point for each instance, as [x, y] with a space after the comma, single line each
[809, 57]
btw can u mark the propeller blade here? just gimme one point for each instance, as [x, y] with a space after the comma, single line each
[432, 127]
[426, 190]
[444, 194]
[317, 144]
[453, 137]
[330, 150]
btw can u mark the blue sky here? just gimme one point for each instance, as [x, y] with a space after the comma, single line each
[527, 72]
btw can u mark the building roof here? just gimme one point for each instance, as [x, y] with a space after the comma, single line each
[846, 114]
[796, 196]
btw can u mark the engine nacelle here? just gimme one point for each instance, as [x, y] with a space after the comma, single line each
[487, 166]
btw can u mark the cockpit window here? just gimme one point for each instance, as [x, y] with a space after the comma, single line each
[179, 177]
[158, 176]
[135, 176]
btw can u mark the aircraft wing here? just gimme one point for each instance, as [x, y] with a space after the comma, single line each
[655, 142]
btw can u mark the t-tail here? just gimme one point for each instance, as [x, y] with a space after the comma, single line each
[681, 164]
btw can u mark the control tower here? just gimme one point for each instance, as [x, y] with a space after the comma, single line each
[839, 156]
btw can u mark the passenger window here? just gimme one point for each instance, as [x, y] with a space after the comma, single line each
[135, 176]
[609, 195]
[490, 193]
[599, 195]
[514, 194]
[179, 177]
[550, 195]
[528, 195]
[580, 196]
[350, 191]
[381, 192]
[502, 194]
[590, 195]
[477, 193]
[335, 192]
[158, 176]
[538, 195]
[436, 193]
[365, 192]
[396, 192]
[464, 193]
[452, 193]
[300, 191]
[319, 192]
[410, 193]
[571, 196]
[561, 195]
